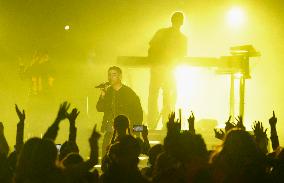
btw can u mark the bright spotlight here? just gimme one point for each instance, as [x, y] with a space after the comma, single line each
[238, 75]
[235, 17]
[67, 27]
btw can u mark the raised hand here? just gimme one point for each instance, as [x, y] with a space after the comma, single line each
[172, 125]
[103, 90]
[259, 130]
[229, 125]
[93, 141]
[62, 112]
[273, 132]
[171, 117]
[191, 121]
[273, 120]
[219, 134]
[72, 116]
[21, 115]
[145, 133]
[95, 134]
[20, 129]
[260, 136]
[240, 123]
[72, 128]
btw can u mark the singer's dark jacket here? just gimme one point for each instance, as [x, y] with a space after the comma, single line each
[124, 101]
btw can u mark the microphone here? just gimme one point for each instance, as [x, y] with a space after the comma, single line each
[103, 85]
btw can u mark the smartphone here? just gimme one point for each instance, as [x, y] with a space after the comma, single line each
[138, 128]
[58, 146]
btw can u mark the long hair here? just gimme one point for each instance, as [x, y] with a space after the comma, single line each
[36, 160]
[239, 158]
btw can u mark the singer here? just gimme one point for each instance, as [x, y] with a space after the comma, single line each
[117, 99]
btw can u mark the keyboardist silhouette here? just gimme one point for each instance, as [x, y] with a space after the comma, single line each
[166, 47]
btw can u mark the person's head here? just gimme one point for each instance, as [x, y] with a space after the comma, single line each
[37, 158]
[177, 19]
[238, 148]
[114, 75]
[66, 148]
[154, 152]
[239, 141]
[72, 159]
[240, 158]
[192, 147]
[125, 153]
[121, 124]
[263, 144]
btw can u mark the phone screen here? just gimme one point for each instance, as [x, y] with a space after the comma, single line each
[138, 128]
[58, 146]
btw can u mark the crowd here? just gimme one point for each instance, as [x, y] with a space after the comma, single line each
[182, 158]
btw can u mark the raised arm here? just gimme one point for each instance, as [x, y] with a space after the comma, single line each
[229, 125]
[146, 145]
[173, 126]
[273, 132]
[191, 121]
[52, 131]
[240, 123]
[20, 129]
[94, 146]
[4, 147]
[260, 136]
[82, 168]
[72, 127]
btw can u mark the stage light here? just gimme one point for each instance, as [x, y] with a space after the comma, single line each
[67, 27]
[186, 79]
[235, 17]
[202, 91]
[238, 75]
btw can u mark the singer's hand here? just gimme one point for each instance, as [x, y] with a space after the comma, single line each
[103, 92]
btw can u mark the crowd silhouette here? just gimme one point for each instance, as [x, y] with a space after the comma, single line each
[182, 158]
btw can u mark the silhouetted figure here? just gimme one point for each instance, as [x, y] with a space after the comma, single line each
[117, 99]
[38, 159]
[6, 171]
[147, 172]
[74, 159]
[240, 160]
[70, 146]
[37, 162]
[167, 46]
[121, 129]
[124, 162]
